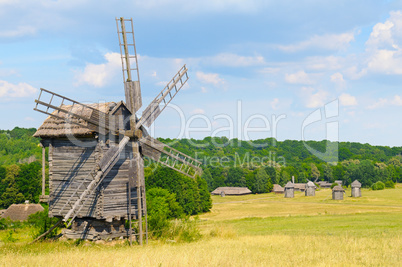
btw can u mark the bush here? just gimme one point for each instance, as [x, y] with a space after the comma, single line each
[333, 185]
[161, 207]
[378, 186]
[41, 223]
[389, 184]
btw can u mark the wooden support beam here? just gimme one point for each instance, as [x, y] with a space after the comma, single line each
[43, 169]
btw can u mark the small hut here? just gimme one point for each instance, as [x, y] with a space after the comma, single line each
[234, 191]
[310, 189]
[278, 189]
[337, 192]
[289, 190]
[356, 189]
[20, 212]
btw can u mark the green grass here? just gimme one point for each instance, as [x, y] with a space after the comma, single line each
[253, 230]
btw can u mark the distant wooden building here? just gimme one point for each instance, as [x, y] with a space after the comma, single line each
[324, 184]
[337, 192]
[232, 191]
[310, 189]
[278, 189]
[356, 189]
[339, 182]
[289, 190]
[20, 212]
[300, 187]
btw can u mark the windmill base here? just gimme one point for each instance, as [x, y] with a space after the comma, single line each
[93, 229]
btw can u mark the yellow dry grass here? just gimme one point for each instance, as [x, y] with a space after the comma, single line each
[255, 230]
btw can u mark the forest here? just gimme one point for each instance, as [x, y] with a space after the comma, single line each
[258, 165]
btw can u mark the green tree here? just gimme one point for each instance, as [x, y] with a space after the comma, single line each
[261, 179]
[206, 175]
[205, 197]
[315, 173]
[236, 177]
[161, 206]
[185, 188]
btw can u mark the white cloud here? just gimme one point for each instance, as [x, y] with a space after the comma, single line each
[314, 98]
[380, 103]
[204, 90]
[16, 90]
[383, 47]
[325, 42]
[233, 60]
[198, 111]
[337, 78]
[18, 32]
[347, 100]
[211, 78]
[99, 75]
[397, 101]
[274, 103]
[324, 63]
[299, 77]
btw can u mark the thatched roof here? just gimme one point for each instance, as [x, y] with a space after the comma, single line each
[310, 184]
[338, 188]
[20, 212]
[1, 212]
[324, 184]
[231, 191]
[356, 183]
[300, 186]
[290, 185]
[55, 127]
[278, 189]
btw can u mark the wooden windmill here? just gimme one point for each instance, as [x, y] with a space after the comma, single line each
[96, 166]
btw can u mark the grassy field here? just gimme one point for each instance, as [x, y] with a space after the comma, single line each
[254, 230]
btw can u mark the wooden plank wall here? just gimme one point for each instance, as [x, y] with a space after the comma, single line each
[70, 164]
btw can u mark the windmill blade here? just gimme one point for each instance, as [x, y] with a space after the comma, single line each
[170, 157]
[74, 112]
[105, 165]
[163, 98]
[129, 63]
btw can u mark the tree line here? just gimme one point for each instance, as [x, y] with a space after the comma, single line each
[257, 165]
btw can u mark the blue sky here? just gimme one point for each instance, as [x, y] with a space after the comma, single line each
[261, 64]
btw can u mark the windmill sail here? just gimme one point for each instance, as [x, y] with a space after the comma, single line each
[74, 112]
[164, 97]
[129, 63]
[170, 157]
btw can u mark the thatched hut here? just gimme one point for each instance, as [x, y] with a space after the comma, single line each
[337, 192]
[300, 187]
[356, 189]
[20, 212]
[289, 190]
[233, 191]
[278, 189]
[310, 189]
